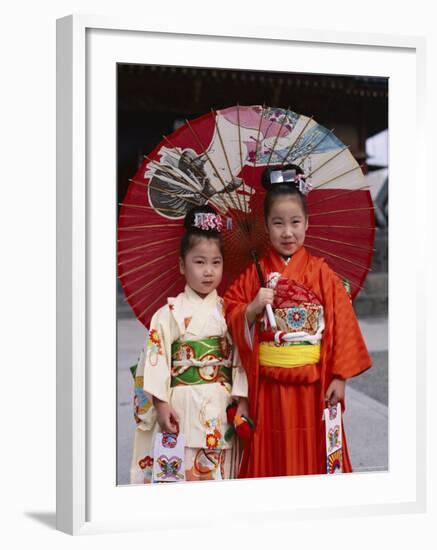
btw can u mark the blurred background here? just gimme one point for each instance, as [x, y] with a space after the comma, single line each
[156, 100]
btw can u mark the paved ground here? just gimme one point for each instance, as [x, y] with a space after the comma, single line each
[374, 382]
[366, 417]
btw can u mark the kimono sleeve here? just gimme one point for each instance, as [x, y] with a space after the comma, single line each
[144, 412]
[157, 367]
[239, 377]
[348, 355]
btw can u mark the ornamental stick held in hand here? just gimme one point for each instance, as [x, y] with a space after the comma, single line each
[269, 309]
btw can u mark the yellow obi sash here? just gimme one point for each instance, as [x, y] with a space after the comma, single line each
[288, 357]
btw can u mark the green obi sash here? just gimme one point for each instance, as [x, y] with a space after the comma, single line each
[201, 362]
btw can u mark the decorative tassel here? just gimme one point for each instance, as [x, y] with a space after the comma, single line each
[240, 425]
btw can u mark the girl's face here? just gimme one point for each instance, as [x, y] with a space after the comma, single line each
[203, 266]
[286, 225]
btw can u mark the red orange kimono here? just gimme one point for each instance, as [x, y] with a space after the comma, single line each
[287, 404]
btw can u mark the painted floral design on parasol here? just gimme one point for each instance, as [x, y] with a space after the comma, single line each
[219, 159]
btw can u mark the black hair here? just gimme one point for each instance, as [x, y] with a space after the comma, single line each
[194, 234]
[285, 188]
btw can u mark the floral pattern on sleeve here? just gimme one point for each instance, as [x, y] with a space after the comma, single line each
[142, 401]
[154, 347]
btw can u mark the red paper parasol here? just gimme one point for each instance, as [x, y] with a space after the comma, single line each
[219, 159]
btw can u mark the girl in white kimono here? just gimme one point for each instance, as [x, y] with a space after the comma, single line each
[186, 376]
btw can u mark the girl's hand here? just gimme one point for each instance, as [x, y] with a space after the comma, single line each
[335, 392]
[243, 407]
[167, 417]
[265, 296]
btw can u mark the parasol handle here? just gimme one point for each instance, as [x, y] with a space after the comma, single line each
[269, 309]
[271, 317]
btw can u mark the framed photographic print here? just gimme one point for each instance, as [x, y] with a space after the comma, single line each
[121, 86]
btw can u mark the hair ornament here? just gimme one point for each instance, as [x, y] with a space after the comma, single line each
[208, 221]
[303, 185]
[291, 176]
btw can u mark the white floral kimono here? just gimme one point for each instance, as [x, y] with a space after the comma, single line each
[201, 407]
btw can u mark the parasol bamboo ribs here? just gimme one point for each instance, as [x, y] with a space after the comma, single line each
[239, 137]
[363, 188]
[145, 245]
[337, 177]
[217, 173]
[341, 211]
[147, 264]
[156, 300]
[356, 264]
[257, 137]
[151, 282]
[142, 207]
[346, 243]
[359, 227]
[330, 132]
[231, 175]
[327, 161]
[277, 136]
[294, 144]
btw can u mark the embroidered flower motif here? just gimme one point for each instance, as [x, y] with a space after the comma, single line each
[296, 317]
[333, 412]
[213, 428]
[169, 440]
[146, 462]
[213, 440]
[142, 404]
[146, 465]
[210, 372]
[214, 435]
[225, 348]
[142, 400]
[212, 422]
[184, 353]
[170, 467]
[154, 346]
[334, 461]
[334, 438]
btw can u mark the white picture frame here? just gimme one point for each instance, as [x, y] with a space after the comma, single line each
[87, 49]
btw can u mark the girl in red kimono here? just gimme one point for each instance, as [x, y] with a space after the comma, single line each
[297, 369]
